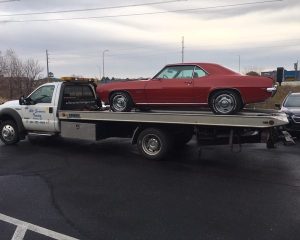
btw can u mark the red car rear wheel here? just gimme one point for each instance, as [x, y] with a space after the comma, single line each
[225, 102]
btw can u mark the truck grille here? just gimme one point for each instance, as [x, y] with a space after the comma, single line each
[296, 118]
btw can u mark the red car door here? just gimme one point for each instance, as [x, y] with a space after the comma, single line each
[173, 85]
[202, 85]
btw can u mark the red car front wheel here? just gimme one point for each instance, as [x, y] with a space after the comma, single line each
[120, 102]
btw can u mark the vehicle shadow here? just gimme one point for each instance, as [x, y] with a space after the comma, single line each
[254, 157]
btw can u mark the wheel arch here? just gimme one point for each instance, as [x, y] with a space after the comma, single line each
[225, 89]
[10, 114]
[140, 128]
[114, 91]
[136, 134]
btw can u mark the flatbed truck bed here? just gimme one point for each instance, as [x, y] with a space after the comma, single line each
[256, 119]
[156, 130]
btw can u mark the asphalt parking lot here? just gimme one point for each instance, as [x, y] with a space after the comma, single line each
[105, 190]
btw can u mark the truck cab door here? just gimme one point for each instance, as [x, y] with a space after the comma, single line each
[40, 112]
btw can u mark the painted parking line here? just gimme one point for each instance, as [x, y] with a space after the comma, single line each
[22, 227]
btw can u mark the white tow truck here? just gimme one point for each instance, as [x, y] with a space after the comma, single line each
[71, 109]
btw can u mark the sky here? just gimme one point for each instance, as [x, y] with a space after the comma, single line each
[139, 37]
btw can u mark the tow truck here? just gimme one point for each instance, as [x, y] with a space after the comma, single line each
[72, 109]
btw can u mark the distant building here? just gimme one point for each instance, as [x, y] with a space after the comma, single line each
[288, 75]
[292, 75]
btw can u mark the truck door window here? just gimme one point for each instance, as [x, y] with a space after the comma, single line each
[43, 94]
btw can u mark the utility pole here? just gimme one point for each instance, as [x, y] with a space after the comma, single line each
[47, 59]
[103, 62]
[182, 50]
[296, 70]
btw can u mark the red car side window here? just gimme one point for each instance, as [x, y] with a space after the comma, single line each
[177, 72]
[199, 73]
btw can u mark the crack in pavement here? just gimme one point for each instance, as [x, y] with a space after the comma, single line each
[42, 174]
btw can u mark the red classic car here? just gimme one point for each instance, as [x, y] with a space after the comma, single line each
[189, 84]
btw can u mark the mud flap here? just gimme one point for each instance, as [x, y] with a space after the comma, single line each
[287, 138]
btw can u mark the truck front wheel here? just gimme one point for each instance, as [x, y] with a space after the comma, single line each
[154, 144]
[9, 133]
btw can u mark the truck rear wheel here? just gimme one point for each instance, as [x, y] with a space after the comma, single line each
[154, 143]
[9, 133]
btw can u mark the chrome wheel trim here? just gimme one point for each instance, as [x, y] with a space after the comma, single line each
[225, 103]
[119, 102]
[151, 144]
[8, 133]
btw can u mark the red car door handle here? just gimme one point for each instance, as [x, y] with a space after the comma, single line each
[188, 82]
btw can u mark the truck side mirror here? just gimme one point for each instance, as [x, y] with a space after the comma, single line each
[278, 106]
[26, 101]
[22, 100]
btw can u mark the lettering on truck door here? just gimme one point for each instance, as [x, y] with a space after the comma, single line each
[39, 114]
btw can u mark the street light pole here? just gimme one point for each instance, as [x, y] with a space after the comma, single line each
[47, 60]
[296, 70]
[103, 63]
[182, 50]
[239, 63]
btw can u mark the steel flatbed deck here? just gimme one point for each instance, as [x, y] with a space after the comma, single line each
[248, 118]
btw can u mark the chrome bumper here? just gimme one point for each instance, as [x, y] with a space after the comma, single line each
[272, 90]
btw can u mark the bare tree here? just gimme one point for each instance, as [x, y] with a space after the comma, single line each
[3, 66]
[18, 76]
[253, 71]
[14, 71]
[32, 71]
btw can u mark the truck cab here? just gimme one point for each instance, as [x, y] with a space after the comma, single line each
[38, 112]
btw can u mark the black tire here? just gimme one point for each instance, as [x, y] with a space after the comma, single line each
[154, 144]
[9, 133]
[120, 102]
[225, 102]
